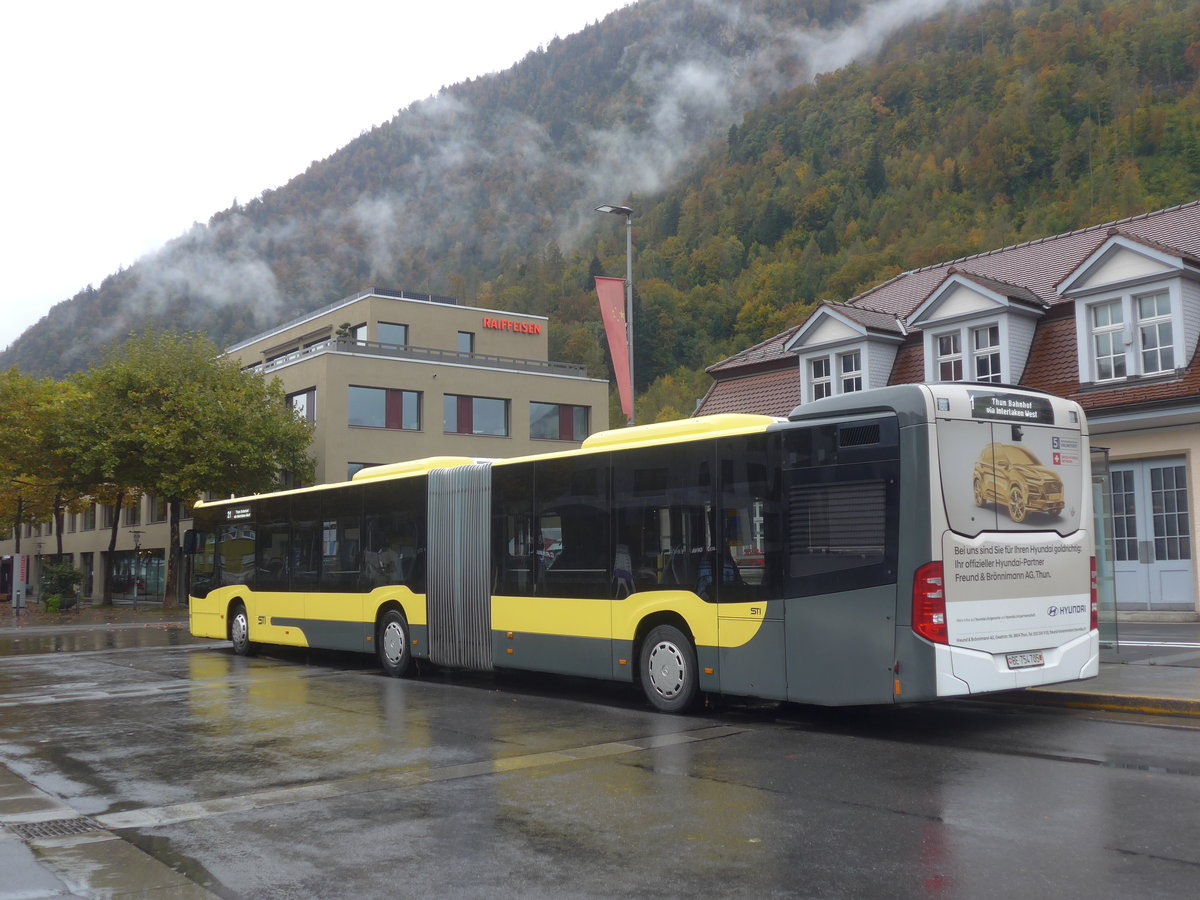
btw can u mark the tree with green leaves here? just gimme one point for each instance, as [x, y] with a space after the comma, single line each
[164, 414]
[29, 490]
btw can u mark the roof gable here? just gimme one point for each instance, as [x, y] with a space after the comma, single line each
[1120, 258]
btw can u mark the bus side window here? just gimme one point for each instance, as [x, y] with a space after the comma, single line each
[573, 551]
[272, 545]
[513, 534]
[748, 543]
[666, 518]
[394, 539]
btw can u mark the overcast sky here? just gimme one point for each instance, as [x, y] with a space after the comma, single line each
[125, 121]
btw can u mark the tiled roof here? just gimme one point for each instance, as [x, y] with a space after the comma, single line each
[1025, 271]
[769, 351]
[1003, 288]
[773, 393]
[871, 319]
[909, 365]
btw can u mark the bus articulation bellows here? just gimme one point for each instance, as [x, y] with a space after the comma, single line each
[894, 545]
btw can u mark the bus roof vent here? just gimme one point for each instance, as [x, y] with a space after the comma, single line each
[858, 435]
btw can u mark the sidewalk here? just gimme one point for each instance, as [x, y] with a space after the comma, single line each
[124, 614]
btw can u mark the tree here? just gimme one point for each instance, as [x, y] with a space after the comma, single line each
[164, 414]
[28, 488]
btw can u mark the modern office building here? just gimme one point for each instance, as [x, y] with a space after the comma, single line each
[383, 376]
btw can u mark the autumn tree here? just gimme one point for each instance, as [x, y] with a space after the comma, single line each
[166, 415]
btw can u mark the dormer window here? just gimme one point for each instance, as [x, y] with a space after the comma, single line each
[1108, 340]
[1131, 335]
[977, 328]
[1154, 333]
[949, 358]
[985, 348]
[844, 349]
[851, 366]
[1134, 313]
[822, 382]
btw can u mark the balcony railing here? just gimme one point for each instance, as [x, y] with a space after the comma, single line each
[424, 354]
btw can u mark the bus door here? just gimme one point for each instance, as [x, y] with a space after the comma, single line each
[1014, 467]
[841, 487]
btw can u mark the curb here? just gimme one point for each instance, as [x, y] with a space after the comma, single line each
[1131, 703]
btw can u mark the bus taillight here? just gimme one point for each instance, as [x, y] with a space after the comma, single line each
[1094, 623]
[929, 603]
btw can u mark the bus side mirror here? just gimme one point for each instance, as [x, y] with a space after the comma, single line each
[190, 541]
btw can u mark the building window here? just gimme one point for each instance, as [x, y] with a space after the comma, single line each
[133, 514]
[985, 346]
[1154, 333]
[851, 369]
[385, 408]
[558, 421]
[1108, 345]
[393, 334]
[158, 509]
[466, 342]
[949, 357]
[822, 383]
[354, 468]
[304, 405]
[476, 415]
[88, 519]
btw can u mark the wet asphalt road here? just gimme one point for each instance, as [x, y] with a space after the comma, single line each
[286, 776]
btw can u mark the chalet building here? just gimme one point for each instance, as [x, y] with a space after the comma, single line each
[1108, 316]
[383, 376]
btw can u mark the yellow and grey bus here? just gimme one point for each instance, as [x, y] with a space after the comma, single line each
[894, 545]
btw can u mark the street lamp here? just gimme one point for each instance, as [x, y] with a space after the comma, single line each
[137, 559]
[628, 214]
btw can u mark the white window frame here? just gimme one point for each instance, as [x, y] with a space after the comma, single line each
[948, 351]
[1156, 321]
[989, 352]
[820, 384]
[850, 380]
[1128, 334]
[967, 354]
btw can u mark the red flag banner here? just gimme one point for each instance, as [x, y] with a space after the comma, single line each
[611, 292]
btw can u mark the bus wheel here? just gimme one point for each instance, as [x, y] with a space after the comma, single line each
[668, 669]
[239, 631]
[393, 644]
[1016, 504]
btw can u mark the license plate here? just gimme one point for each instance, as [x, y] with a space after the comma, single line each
[1025, 660]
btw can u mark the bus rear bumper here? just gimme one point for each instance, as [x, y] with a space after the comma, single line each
[962, 671]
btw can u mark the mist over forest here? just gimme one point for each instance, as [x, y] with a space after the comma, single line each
[776, 153]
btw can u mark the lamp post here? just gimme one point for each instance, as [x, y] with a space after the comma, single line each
[137, 560]
[628, 214]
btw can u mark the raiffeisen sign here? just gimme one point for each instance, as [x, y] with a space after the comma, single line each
[512, 325]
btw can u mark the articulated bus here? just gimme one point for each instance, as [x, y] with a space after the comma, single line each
[894, 545]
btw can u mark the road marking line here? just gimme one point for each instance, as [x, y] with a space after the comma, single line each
[182, 812]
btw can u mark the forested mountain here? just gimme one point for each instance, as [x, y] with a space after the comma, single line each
[938, 130]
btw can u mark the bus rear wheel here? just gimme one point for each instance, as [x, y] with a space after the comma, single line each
[239, 631]
[392, 644]
[669, 676]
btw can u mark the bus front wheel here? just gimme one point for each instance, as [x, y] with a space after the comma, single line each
[669, 675]
[393, 644]
[239, 631]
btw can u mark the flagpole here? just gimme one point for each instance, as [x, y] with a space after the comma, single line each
[629, 307]
[627, 212]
